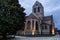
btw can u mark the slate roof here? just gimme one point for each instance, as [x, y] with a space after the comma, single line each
[31, 16]
[46, 18]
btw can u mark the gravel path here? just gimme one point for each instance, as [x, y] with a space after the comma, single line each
[57, 37]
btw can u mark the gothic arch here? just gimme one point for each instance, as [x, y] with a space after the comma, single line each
[44, 25]
[36, 25]
[34, 10]
[29, 25]
[38, 9]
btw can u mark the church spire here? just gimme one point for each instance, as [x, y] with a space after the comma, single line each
[38, 9]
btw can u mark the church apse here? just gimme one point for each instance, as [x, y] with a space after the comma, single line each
[53, 31]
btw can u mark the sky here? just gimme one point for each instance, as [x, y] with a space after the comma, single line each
[51, 7]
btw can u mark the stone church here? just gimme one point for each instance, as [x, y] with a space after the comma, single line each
[37, 23]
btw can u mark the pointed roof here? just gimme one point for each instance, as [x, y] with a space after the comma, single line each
[31, 16]
[47, 18]
[37, 3]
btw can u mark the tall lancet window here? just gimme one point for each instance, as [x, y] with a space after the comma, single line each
[34, 10]
[38, 9]
[33, 22]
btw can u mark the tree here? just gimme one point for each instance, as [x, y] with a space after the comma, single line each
[12, 16]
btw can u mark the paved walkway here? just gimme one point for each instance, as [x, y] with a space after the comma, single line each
[57, 37]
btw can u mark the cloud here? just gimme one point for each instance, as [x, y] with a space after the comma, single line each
[51, 7]
[29, 3]
[24, 4]
[55, 8]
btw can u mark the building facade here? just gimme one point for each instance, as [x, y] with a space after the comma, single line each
[37, 23]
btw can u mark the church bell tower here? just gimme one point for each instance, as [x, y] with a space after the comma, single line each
[38, 9]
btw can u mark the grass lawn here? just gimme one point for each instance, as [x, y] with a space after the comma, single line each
[37, 35]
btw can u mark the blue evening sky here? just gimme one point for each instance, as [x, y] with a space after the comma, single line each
[51, 7]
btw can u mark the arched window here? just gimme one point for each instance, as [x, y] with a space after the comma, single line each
[42, 27]
[28, 25]
[38, 9]
[45, 26]
[34, 10]
[33, 23]
[36, 25]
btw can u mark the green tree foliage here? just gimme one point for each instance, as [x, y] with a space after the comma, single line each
[12, 16]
